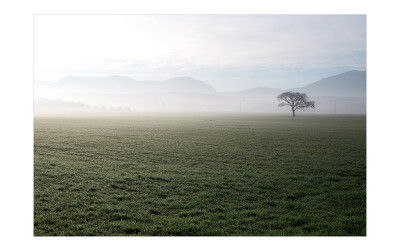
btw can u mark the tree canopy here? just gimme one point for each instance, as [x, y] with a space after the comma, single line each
[295, 100]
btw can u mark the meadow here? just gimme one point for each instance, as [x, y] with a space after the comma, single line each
[214, 175]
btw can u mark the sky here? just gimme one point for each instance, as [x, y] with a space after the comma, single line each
[230, 52]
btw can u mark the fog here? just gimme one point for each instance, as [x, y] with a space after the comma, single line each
[123, 95]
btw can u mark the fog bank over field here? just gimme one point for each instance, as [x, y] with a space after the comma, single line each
[341, 94]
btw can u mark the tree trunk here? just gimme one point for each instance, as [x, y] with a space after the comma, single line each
[293, 113]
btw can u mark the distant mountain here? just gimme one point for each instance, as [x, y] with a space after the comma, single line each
[349, 84]
[123, 85]
[344, 94]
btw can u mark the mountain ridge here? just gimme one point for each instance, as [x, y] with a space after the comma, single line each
[347, 84]
[186, 94]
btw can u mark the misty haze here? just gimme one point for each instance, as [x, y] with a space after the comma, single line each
[342, 94]
[200, 125]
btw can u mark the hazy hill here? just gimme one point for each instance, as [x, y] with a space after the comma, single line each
[344, 93]
[349, 84]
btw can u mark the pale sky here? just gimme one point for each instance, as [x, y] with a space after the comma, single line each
[230, 52]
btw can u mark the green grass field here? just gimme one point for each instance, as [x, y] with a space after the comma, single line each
[214, 175]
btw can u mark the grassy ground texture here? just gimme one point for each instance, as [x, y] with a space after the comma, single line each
[200, 175]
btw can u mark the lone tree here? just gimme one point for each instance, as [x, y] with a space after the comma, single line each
[295, 100]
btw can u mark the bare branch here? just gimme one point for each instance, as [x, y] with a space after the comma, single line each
[295, 100]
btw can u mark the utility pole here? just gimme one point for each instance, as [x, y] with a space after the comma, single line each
[240, 106]
[335, 107]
